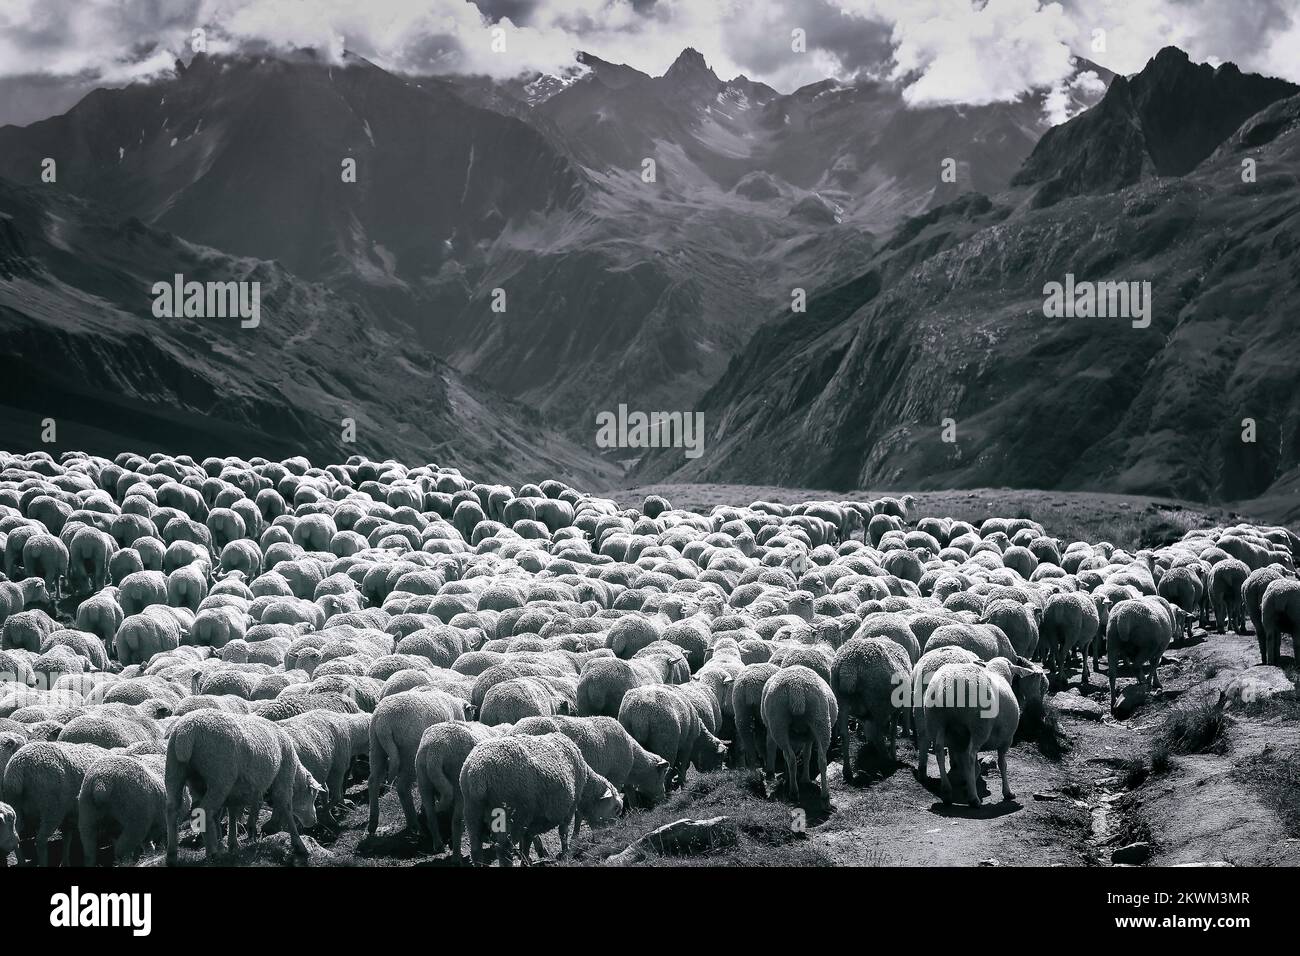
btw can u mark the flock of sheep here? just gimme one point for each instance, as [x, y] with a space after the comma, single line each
[184, 642]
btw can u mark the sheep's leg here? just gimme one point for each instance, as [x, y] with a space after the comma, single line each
[457, 827]
[1002, 768]
[44, 831]
[89, 831]
[472, 818]
[971, 758]
[922, 751]
[945, 788]
[892, 726]
[212, 803]
[564, 836]
[232, 837]
[403, 785]
[1083, 681]
[792, 770]
[771, 756]
[845, 746]
[823, 748]
[505, 850]
[378, 773]
[1110, 671]
[134, 833]
[805, 757]
[429, 804]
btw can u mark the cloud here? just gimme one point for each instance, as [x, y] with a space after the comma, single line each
[940, 51]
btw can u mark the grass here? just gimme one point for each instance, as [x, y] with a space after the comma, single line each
[1277, 776]
[1135, 773]
[1196, 729]
[766, 836]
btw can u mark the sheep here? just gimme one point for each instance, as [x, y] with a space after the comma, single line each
[1280, 612]
[1070, 621]
[512, 700]
[396, 727]
[41, 782]
[540, 784]
[1252, 593]
[8, 833]
[602, 685]
[438, 760]
[129, 794]
[27, 630]
[327, 742]
[1225, 589]
[800, 712]
[230, 761]
[1181, 586]
[611, 751]
[746, 704]
[662, 720]
[1138, 631]
[46, 557]
[970, 707]
[922, 674]
[869, 678]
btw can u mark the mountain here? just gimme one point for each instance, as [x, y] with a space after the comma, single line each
[617, 288]
[83, 346]
[245, 154]
[1163, 122]
[947, 321]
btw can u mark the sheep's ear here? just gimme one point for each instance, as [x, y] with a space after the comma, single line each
[608, 794]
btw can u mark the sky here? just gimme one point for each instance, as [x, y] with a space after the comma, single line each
[940, 51]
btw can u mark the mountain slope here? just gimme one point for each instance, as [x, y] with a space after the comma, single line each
[84, 348]
[948, 322]
[1163, 122]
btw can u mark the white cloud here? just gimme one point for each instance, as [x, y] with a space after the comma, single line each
[943, 51]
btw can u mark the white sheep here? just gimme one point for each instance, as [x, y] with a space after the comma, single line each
[441, 754]
[968, 708]
[869, 678]
[230, 762]
[800, 713]
[327, 743]
[520, 787]
[125, 794]
[396, 728]
[41, 782]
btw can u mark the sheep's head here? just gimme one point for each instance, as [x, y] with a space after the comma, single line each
[604, 803]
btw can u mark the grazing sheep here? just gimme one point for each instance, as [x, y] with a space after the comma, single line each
[327, 742]
[229, 762]
[800, 712]
[969, 708]
[1226, 580]
[512, 700]
[523, 786]
[746, 705]
[126, 795]
[1070, 622]
[1181, 586]
[41, 782]
[1138, 631]
[438, 760]
[869, 679]
[1252, 593]
[662, 720]
[611, 751]
[396, 727]
[602, 684]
